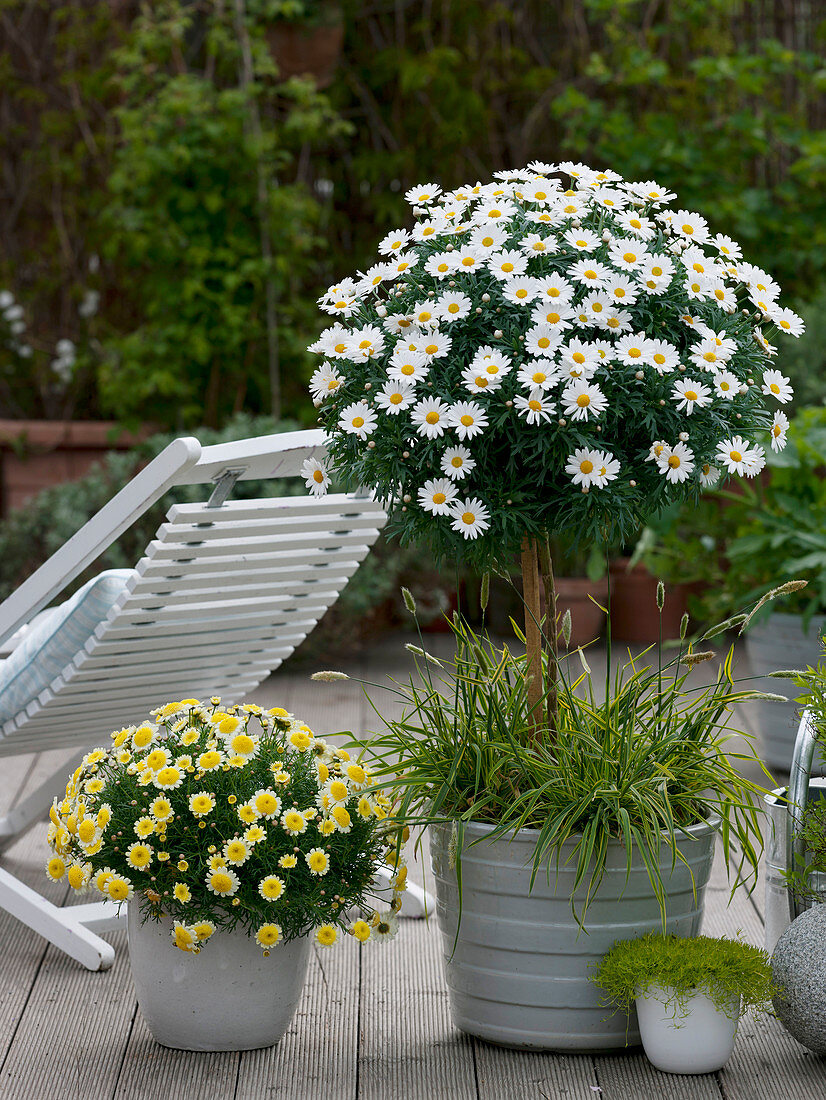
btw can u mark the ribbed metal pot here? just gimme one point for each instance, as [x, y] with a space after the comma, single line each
[779, 642]
[518, 971]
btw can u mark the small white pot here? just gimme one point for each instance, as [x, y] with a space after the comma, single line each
[688, 1036]
[227, 997]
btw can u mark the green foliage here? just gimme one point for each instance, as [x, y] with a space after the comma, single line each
[778, 525]
[812, 681]
[685, 544]
[639, 767]
[804, 360]
[198, 216]
[724, 969]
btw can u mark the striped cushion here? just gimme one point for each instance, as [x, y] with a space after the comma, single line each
[51, 644]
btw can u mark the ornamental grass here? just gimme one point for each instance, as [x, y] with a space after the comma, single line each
[227, 818]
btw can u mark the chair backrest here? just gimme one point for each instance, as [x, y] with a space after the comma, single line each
[223, 594]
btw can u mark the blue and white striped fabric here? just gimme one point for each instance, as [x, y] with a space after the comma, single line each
[46, 649]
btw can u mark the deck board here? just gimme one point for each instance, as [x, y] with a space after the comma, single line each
[373, 1021]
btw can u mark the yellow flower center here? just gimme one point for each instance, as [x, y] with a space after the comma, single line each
[358, 421]
[634, 353]
[539, 377]
[674, 461]
[689, 229]
[453, 307]
[468, 517]
[535, 405]
[629, 257]
[590, 273]
[339, 348]
[578, 357]
[487, 242]
[583, 400]
[439, 498]
[586, 466]
[456, 462]
[318, 476]
[656, 272]
[396, 399]
[776, 430]
[538, 246]
[481, 381]
[521, 293]
[691, 395]
[774, 387]
[507, 266]
[635, 223]
[432, 418]
[619, 291]
[408, 369]
[735, 456]
[468, 261]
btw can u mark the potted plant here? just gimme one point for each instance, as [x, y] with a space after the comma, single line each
[237, 839]
[778, 527]
[688, 994]
[537, 357]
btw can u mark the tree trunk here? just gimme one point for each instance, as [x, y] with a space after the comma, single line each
[533, 631]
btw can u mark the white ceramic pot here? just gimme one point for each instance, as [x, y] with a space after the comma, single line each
[518, 966]
[692, 1036]
[227, 997]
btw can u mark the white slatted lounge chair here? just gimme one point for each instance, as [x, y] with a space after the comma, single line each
[222, 596]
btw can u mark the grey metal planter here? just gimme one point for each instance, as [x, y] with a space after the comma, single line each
[779, 642]
[519, 973]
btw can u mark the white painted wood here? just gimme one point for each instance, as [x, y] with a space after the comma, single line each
[55, 923]
[31, 808]
[167, 469]
[262, 457]
[243, 548]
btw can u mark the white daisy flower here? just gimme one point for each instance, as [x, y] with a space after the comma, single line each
[578, 359]
[316, 477]
[778, 429]
[476, 380]
[398, 324]
[724, 296]
[732, 453]
[616, 322]
[651, 191]
[676, 462]
[571, 204]
[637, 224]
[687, 224]
[429, 228]
[491, 360]
[403, 262]
[325, 380]
[468, 418]
[709, 475]
[777, 385]
[430, 417]
[520, 291]
[469, 259]
[607, 468]
[582, 466]
[394, 397]
[691, 320]
[470, 517]
[408, 366]
[394, 242]
[575, 169]
[536, 407]
[343, 306]
[547, 218]
[423, 194]
[435, 345]
[373, 277]
[728, 247]
[754, 461]
[656, 273]
[655, 450]
[554, 289]
[538, 374]
[441, 264]
[358, 419]
[488, 238]
[724, 344]
[457, 463]
[425, 314]
[583, 400]
[689, 394]
[496, 211]
[661, 355]
[555, 316]
[622, 291]
[708, 355]
[726, 385]
[698, 287]
[758, 281]
[590, 273]
[787, 321]
[437, 495]
[536, 245]
[367, 342]
[542, 340]
[696, 262]
[610, 198]
[507, 264]
[540, 191]
[631, 349]
[627, 255]
[453, 306]
[583, 240]
[332, 342]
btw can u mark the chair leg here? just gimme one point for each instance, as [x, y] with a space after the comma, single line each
[36, 805]
[67, 927]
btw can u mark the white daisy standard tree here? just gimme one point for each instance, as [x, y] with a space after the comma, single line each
[555, 351]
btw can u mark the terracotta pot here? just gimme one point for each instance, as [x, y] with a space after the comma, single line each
[574, 594]
[634, 613]
[299, 49]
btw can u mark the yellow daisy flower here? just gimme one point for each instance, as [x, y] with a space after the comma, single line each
[326, 934]
[236, 852]
[56, 868]
[223, 883]
[247, 813]
[341, 818]
[87, 830]
[301, 740]
[268, 935]
[161, 809]
[144, 827]
[78, 875]
[139, 855]
[317, 861]
[144, 736]
[294, 822]
[119, 888]
[210, 760]
[201, 803]
[102, 878]
[182, 892]
[203, 929]
[361, 930]
[189, 736]
[287, 862]
[326, 826]
[267, 803]
[156, 759]
[255, 834]
[271, 888]
[167, 779]
[184, 936]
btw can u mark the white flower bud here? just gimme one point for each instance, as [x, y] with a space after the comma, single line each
[406, 498]
[606, 235]
[640, 375]
[497, 335]
[486, 297]
[371, 444]
[683, 437]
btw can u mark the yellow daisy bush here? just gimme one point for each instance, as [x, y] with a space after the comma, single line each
[225, 817]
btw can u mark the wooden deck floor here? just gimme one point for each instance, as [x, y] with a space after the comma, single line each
[373, 1023]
